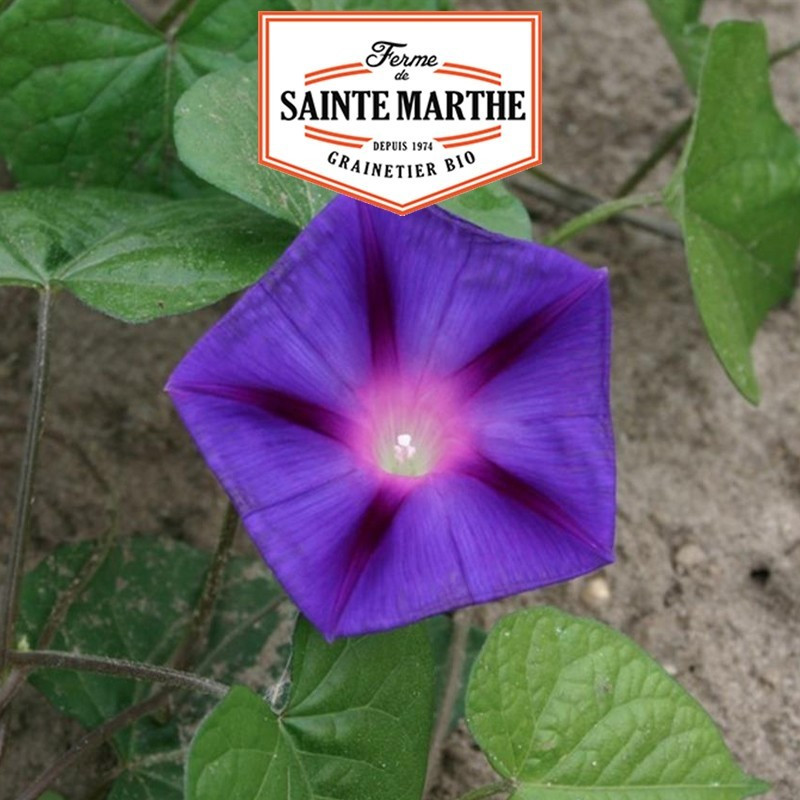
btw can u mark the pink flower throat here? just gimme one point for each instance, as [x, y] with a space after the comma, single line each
[412, 430]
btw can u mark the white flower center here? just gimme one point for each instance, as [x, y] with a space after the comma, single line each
[404, 450]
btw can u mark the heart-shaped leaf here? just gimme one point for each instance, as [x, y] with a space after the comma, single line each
[679, 21]
[87, 88]
[736, 196]
[216, 125]
[135, 256]
[568, 709]
[356, 725]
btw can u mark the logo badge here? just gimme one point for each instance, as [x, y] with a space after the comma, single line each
[400, 109]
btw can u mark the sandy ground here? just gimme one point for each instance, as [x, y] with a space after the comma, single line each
[709, 488]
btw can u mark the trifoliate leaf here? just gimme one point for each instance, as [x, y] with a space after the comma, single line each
[356, 725]
[87, 88]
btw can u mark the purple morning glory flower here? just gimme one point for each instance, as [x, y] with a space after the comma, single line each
[411, 414]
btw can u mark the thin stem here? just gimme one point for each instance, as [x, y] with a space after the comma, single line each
[784, 52]
[208, 658]
[101, 787]
[33, 435]
[91, 741]
[664, 146]
[490, 790]
[556, 182]
[179, 9]
[15, 678]
[601, 213]
[120, 667]
[197, 634]
[64, 602]
[577, 201]
[169, 757]
[456, 655]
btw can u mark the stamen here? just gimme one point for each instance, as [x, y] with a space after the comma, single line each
[404, 450]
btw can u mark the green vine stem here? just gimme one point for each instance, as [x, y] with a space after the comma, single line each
[456, 654]
[120, 667]
[567, 188]
[601, 213]
[197, 634]
[207, 661]
[531, 188]
[91, 741]
[662, 148]
[490, 790]
[785, 52]
[19, 536]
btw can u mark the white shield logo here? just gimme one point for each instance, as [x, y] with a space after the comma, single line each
[400, 109]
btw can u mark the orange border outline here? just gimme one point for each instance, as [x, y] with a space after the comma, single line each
[466, 135]
[467, 68]
[352, 65]
[468, 142]
[468, 75]
[535, 158]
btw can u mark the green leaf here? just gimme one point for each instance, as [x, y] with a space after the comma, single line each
[138, 606]
[679, 21]
[135, 256]
[736, 196]
[569, 709]
[492, 207]
[154, 776]
[87, 88]
[440, 631]
[356, 725]
[216, 126]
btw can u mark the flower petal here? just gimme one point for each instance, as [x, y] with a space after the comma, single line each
[564, 372]
[307, 541]
[260, 458]
[458, 289]
[302, 329]
[457, 541]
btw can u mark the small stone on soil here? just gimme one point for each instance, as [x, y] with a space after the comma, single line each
[596, 592]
